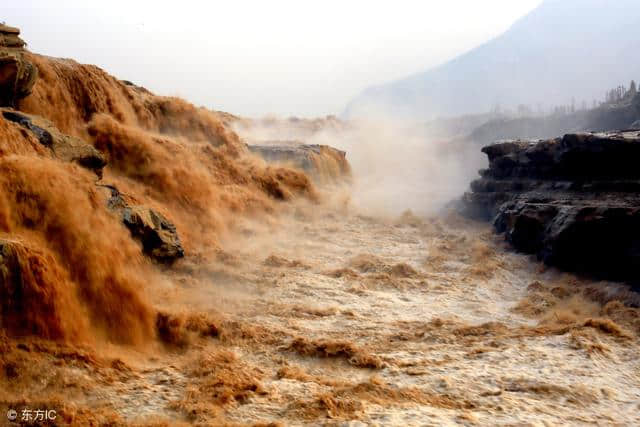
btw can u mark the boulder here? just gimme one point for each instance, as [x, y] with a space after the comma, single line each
[573, 201]
[158, 235]
[64, 147]
[17, 74]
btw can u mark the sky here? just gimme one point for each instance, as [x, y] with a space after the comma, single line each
[257, 58]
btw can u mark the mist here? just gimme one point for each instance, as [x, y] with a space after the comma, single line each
[253, 58]
[563, 53]
[397, 165]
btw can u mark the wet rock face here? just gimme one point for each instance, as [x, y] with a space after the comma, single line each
[574, 201]
[17, 75]
[157, 234]
[319, 161]
[64, 147]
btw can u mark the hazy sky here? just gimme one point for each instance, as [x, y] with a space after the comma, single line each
[259, 57]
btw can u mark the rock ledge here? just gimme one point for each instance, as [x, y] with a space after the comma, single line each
[574, 201]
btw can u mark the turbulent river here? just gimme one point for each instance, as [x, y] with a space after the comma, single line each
[328, 316]
[335, 317]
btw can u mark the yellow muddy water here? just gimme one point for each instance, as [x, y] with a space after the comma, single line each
[327, 316]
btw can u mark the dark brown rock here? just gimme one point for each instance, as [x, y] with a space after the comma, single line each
[158, 235]
[64, 147]
[17, 74]
[574, 201]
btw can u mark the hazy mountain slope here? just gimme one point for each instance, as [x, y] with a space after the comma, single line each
[562, 49]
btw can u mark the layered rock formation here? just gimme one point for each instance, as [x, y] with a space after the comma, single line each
[322, 162]
[574, 201]
[17, 74]
[64, 147]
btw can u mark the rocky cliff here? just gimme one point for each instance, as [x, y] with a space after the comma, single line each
[17, 74]
[574, 201]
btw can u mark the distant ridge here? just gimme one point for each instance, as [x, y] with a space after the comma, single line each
[561, 50]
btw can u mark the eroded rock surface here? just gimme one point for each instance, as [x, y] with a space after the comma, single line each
[574, 201]
[64, 147]
[319, 161]
[17, 74]
[157, 234]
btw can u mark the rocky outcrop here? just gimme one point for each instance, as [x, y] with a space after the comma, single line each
[574, 201]
[17, 74]
[158, 236]
[322, 162]
[64, 147]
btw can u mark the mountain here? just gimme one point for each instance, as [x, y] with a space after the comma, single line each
[563, 49]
